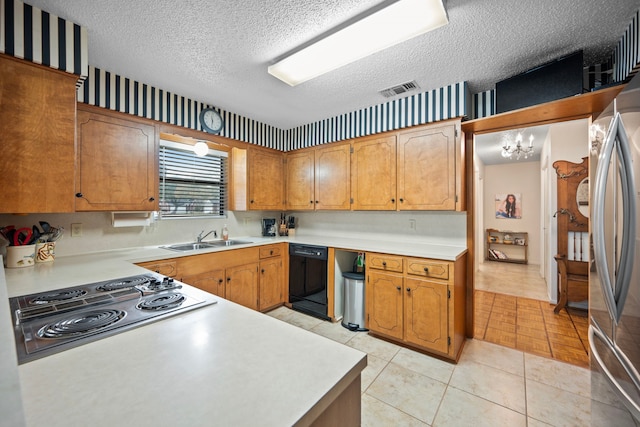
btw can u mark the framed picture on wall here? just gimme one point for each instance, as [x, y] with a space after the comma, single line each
[508, 206]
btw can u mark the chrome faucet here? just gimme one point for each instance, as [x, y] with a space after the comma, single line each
[200, 237]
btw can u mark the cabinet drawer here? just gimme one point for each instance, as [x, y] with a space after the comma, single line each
[270, 251]
[384, 262]
[427, 268]
[166, 268]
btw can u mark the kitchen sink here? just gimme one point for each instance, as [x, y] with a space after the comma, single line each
[219, 243]
[204, 245]
[189, 246]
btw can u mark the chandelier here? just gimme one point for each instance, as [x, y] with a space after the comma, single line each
[509, 149]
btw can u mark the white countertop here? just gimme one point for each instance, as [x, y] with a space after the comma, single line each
[219, 365]
[10, 401]
[97, 266]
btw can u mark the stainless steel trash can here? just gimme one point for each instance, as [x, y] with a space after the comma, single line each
[353, 318]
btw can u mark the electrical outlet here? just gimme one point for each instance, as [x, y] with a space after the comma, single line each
[412, 224]
[76, 230]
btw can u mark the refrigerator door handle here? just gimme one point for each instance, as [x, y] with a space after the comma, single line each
[629, 403]
[615, 297]
[627, 254]
[599, 246]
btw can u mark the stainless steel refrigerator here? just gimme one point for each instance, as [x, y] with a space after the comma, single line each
[614, 282]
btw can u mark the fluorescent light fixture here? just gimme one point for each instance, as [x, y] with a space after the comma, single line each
[398, 22]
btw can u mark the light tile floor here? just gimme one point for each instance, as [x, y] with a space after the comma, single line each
[491, 385]
[520, 280]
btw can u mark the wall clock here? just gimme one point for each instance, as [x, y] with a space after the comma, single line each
[211, 120]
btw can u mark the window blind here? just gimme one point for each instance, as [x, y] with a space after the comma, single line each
[192, 186]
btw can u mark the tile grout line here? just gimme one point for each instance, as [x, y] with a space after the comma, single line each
[397, 409]
[575, 328]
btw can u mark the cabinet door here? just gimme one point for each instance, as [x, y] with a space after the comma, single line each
[211, 281]
[373, 173]
[427, 169]
[37, 136]
[426, 316]
[117, 163]
[242, 285]
[266, 180]
[300, 181]
[384, 304]
[166, 268]
[271, 283]
[332, 187]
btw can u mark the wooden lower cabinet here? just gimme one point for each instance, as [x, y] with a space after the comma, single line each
[418, 302]
[252, 277]
[271, 281]
[210, 281]
[384, 303]
[242, 285]
[426, 314]
[271, 290]
[166, 268]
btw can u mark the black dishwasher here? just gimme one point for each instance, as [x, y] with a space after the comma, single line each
[308, 279]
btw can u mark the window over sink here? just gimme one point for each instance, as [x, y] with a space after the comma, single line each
[190, 185]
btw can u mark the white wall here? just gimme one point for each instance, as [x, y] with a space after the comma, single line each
[568, 141]
[479, 210]
[446, 228]
[99, 234]
[521, 178]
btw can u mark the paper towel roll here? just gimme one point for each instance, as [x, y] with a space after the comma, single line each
[131, 219]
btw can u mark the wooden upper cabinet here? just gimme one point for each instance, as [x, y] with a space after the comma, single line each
[117, 162]
[430, 167]
[373, 173]
[319, 179]
[300, 180]
[37, 140]
[257, 179]
[266, 180]
[332, 177]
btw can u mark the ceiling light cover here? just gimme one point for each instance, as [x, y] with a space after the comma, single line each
[201, 148]
[387, 27]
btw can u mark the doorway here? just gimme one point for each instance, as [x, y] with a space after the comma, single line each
[514, 301]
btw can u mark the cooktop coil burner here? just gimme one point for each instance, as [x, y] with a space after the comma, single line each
[127, 283]
[57, 320]
[81, 323]
[162, 301]
[58, 296]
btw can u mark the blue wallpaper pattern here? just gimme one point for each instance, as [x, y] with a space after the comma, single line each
[29, 33]
[32, 34]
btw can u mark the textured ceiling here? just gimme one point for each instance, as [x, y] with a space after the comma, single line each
[217, 52]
